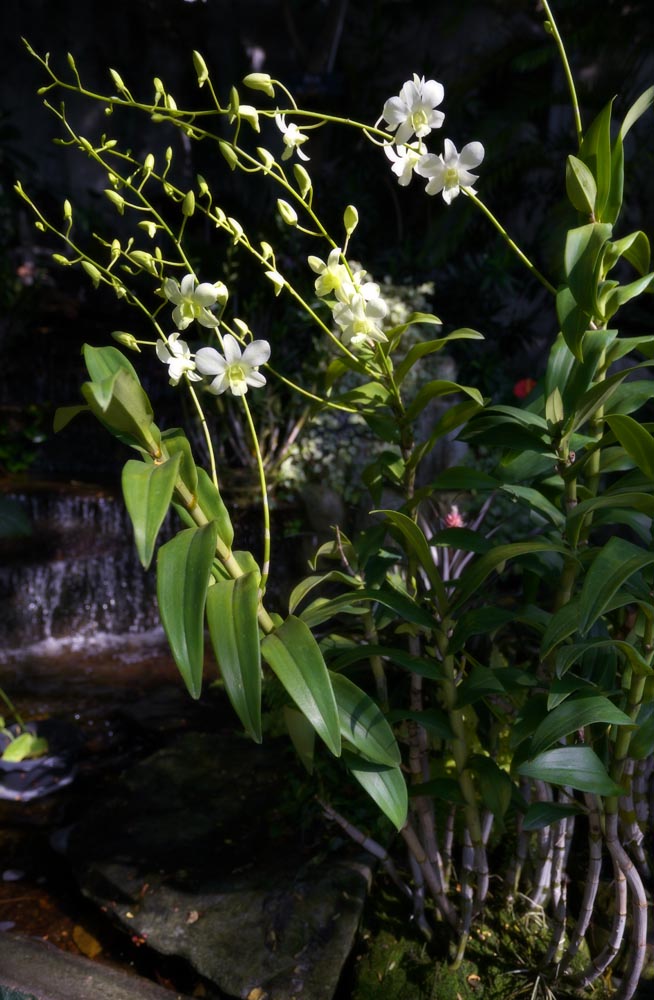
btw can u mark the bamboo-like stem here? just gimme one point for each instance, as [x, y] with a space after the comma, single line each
[430, 875]
[601, 962]
[591, 883]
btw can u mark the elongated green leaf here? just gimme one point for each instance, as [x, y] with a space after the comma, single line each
[121, 405]
[617, 561]
[574, 714]
[396, 657]
[598, 395]
[434, 720]
[212, 506]
[435, 390]
[542, 814]
[316, 580]
[566, 620]
[294, 656]
[232, 607]
[637, 442]
[481, 682]
[580, 185]
[176, 443]
[303, 736]
[567, 656]
[578, 767]
[419, 547]
[148, 490]
[642, 502]
[613, 299]
[582, 260]
[595, 151]
[385, 786]
[363, 723]
[406, 608]
[473, 577]
[424, 347]
[495, 786]
[637, 109]
[183, 571]
[64, 415]
[479, 621]
[103, 362]
[535, 500]
[573, 320]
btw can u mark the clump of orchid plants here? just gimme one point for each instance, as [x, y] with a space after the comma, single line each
[399, 652]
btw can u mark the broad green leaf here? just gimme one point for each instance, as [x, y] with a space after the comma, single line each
[148, 490]
[294, 656]
[495, 786]
[479, 621]
[176, 443]
[481, 682]
[615, 563]
[183, 572]
[637, 442]
[598, 395]
[316, 580]
[574, 714]
[529, 717]
[568, 655]
[435, 390]
[573, 320]
[103, 362]
[121, 405]
[578, 767]
[385, 786]
[404, 607]
[612, 301]
[64, 415]
[473, 577]
[363, 723]
[582, 261]
[535, 500]
[232, 607]
[580, 186]
[418, 546]
[212, 506]
[562, 687]
[425, 347]
[303, 736]
[542, 814]
[643, 502]
[637, 109]
[566, 620]
[635, 248]
[595, 151]
[25, 745]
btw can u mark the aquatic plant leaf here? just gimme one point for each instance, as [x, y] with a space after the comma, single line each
[295, 657]
[363, 724]
[148, 490]
[232, 607]
[385, 786]
[183, 571]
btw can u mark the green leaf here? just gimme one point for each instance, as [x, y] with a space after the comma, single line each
[176, 443]
[637, 109]
[573, 320]
[363, 723]
[577, 767]
[567, 656]
[232, 608]
[495, 786]
[148, 490]
[634, 248]
[425, 347]
[405, 607]
[580, 186]
[385, 786]
[598, 395]
[183, 572]
[641, 745]
[615, 563]
[473, 577]
[418, 546]
[25, 745]
[617, 297]
[294, 656]
[542, 814]
[574, 714]
[595, 151]
[583, 261]
[565, 621]
[309, 583]
[303, 736]
[637, 442]
[212, 506]
[479, 621]
[435, 390]
[642, 502]
[481, 682]
[535, 500]
[465, 479]
[103, 362]
[64, 415]
[447, 789]
[121, 405]
[396, 657]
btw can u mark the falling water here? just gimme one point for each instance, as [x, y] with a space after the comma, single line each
[76, 575]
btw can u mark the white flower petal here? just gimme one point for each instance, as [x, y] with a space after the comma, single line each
[471, 155]
[256, 380]
[205, 294]
[209, 362]
[256, 353]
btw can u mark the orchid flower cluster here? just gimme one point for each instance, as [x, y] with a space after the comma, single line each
[234, 369]
[412, 115]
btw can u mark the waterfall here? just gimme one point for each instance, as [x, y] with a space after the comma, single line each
[78, 573]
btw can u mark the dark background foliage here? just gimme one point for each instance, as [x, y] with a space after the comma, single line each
[504, 86]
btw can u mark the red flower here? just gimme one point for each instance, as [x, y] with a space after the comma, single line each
[523, 387]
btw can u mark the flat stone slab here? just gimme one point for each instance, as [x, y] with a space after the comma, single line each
[187, 859]
[35, 970]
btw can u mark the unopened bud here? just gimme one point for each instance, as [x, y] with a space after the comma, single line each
[350, 219]
[200, 68]
[302, 178]
[287, 212]
[128, 340]
[260, 81]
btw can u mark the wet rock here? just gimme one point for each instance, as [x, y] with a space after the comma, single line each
[35, 970]
[187, 860]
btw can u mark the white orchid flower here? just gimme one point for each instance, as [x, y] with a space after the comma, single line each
[177, 356]
[405, 159]
[450, 171]
[359, 320]
[293, 138]
[332, 274]
[193, 301]
[412, 113]
[234, 369]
